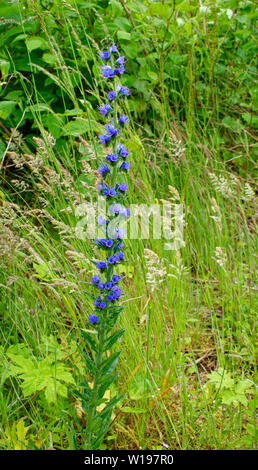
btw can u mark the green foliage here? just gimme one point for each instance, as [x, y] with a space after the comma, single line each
[36, 373]
[230, 391]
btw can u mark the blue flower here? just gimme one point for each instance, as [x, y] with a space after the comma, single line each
[113, 157]
[108, 285]
[103, 169]
[113, 259]
[114, 208]
[120, 60]
[113, 48]
[115, 278]
[122, 150]
[95, 279]
[110, 297]
[119, 71]
[106, 242]
[111, 95]
[116, 292]
[125, 212]
[110, 192]
[123, 90]
[104, 55]
[102, 265]
[109, 243]
[93, 318]
[119, 209]
[123, 187]
[99, 303]
[112, 132]
[119, 245]
[120, 255]
[104, 139]
[123, 119]
[104, 109]
[125, 166]
[107, 71]
[113, 248]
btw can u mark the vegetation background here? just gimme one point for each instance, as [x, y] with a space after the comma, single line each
[188, 356]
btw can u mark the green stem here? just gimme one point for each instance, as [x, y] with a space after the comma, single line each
[101, 335]
[94, 397]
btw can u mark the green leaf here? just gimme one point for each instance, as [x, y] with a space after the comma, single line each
[4, 67]
[242, 386]
[77, 127]
[89, 339]
[129, 409]
[116, 7]
[46, 375]
[38, 107]
[113, 338]
[105, 382]
[124, 35]
[89, 362]
[49, 58]
[36, 43]
[55, 125]
[221, 379]
[43, 271]
[7, 108]
[109, 364]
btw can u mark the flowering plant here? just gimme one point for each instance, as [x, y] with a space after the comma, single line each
[99, 360]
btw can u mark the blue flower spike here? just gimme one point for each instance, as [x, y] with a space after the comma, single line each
[105, 282]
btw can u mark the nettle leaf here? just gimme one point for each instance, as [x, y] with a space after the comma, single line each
[38, 107]
[250, 119]
[123, 24]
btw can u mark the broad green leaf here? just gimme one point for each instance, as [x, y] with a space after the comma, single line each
[77, 127]
[124, 35]
[49, 58]
[7, 108]
[36, 43]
